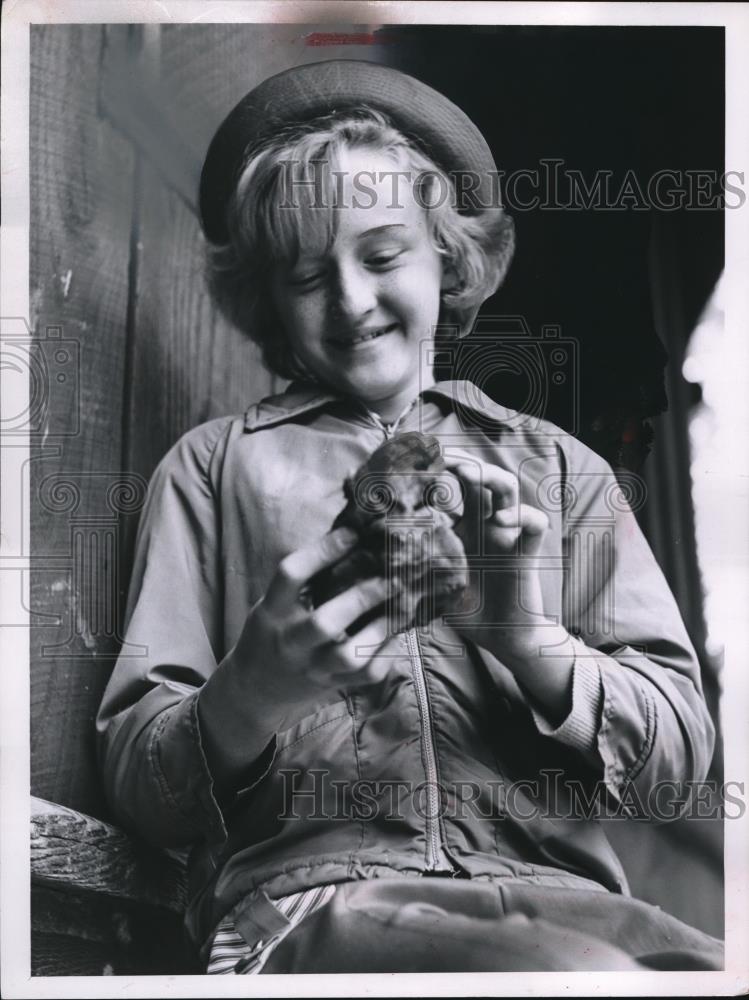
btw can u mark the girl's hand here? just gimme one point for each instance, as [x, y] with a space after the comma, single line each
[295, 651]
[287, 656]
[502, 538]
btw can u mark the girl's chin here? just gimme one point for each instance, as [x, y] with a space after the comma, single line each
[371, 379]
[391, 382]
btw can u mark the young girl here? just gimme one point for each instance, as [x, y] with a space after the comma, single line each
[377, 801]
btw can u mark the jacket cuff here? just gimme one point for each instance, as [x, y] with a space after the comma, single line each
[179, 761]
[580, 729]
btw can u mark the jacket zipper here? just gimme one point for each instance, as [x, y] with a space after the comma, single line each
[388, 429]
[435, 851]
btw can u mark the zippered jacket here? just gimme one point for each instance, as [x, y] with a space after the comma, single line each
[444, 765]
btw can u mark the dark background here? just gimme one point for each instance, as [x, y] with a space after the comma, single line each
[619, 99]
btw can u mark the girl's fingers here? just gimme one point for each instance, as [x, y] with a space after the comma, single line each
[329, 622]
[296, 569]
[531, 520]
[524, 522]
[493, 501]
[353, 661]
[500, 485]
[477, 504]
[368, 639]
[356, 660]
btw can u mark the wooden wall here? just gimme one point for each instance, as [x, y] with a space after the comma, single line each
[82, 201]
[120, 119]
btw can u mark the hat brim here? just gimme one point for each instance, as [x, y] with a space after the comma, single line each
[428, 118]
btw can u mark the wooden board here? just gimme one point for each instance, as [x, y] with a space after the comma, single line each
[81, 211]
[70, 850]
[207, 68]
[101, 902]
[188, 364]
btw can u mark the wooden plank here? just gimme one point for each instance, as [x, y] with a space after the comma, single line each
[84, 933]
[139, 942]
[170, 107]
[188, 364]
[145, 942]
[65, 955]
[76, 852]
[103, 903]
[136, 101]
[81, 210]
[207, 68]
[64, 910]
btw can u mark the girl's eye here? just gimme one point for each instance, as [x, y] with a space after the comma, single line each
[307, 280]
[384, 259]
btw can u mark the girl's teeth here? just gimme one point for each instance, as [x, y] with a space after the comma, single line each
[366, 336]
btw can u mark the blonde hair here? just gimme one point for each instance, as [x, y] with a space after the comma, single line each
[477, 248]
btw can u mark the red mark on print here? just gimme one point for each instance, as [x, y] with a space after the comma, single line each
[344, 38]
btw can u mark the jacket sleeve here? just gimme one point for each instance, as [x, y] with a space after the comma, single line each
[637, 705]
[155, 772]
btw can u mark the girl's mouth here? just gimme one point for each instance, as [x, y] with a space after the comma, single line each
[346, 343]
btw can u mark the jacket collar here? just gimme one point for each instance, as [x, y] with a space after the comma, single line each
[302, 397]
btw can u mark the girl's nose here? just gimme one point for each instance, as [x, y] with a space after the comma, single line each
[354, 293]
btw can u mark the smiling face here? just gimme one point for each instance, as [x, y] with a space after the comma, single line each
[357, 309]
